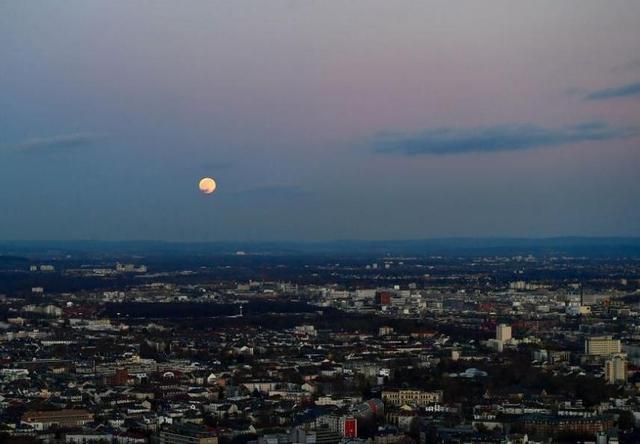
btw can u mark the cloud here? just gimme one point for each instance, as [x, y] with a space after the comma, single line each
[632, 89]
[628, 66]
[274, 192]
[56, 142]
[575, 91]
[508, 137]
[269, 195]
[204, 167]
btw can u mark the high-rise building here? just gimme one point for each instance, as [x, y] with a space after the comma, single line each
[503, 332]
[601, 346]
[615, 369]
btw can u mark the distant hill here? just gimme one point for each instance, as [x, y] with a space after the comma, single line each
[574, 246]
[11, 261]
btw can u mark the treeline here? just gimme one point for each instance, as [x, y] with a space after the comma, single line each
[173, 310]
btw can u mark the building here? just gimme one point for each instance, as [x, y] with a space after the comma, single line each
[88, 437]
[121, 377]
[412, 397]
[383, 297]
[495, 344]
[549, 425]
[503, 332]
[305, 330]
[345, 426]
[65, 418]
[632, 350]
[350, 428]
[274, 438]
[302, 435]
[601, 346]
[187, 434]
[615, 369]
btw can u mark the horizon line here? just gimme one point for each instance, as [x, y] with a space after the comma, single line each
[303, 241]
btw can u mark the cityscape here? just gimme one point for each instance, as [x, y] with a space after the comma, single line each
[309, 348]
[319, 222]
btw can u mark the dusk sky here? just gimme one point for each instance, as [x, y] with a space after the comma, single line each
[371, 119]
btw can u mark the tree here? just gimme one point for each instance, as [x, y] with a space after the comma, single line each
[626, 420]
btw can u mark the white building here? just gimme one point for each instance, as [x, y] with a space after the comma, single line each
[503, 332]
[615, 369]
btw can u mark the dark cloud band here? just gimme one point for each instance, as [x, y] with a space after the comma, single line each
[633, 89]
[453, 140]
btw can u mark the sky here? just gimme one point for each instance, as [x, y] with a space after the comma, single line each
[320, 120]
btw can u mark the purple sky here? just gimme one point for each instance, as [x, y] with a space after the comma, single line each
[369, 119]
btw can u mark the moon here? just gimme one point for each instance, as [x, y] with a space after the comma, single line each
[207, 185]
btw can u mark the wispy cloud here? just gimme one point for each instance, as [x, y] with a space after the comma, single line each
[628, 66]
[274, 192]
[632, 89]
[204, 167]
[56, 142]
[268, 195]
[575, 91]
[508, 137]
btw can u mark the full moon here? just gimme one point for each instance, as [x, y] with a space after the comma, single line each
[207, 185]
